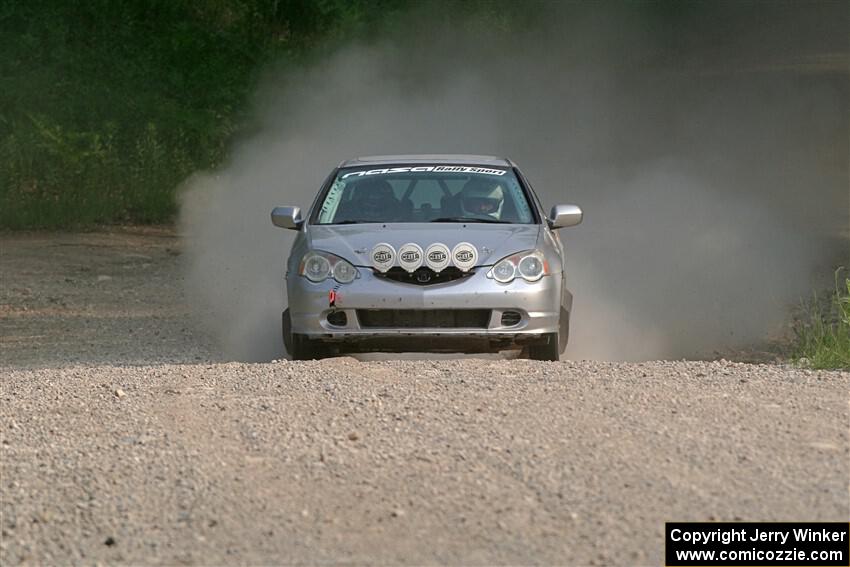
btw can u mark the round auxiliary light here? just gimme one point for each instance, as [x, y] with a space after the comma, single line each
[316, 268]
[464, 256]
[531, 267]
[438, 256]
[344, 272]
[504, 271]
[383, 256]
[410, 256]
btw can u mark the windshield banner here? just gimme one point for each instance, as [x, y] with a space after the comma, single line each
[427, 168]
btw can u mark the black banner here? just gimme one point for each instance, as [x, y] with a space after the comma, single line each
[757, 543]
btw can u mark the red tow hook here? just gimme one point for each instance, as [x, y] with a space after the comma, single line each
[332, 297]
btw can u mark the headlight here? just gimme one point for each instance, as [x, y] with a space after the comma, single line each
[344, 272]
[317, 266]
[529, 265]
[504, 271]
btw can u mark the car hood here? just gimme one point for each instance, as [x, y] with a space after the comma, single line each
[355, 242]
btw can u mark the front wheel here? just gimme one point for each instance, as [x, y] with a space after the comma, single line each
[547, 349]
[299, 346]
[305, 349]
[286, 330]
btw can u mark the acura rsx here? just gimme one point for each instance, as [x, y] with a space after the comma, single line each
[437, 253]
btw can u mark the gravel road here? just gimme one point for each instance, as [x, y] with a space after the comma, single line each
[126, 440]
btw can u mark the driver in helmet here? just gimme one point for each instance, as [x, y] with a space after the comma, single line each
[374, 201]
[482, 198]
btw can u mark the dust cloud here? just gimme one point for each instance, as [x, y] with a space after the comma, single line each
[709, 153]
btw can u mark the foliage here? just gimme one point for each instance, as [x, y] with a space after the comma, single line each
[823, 335]
[105, 107]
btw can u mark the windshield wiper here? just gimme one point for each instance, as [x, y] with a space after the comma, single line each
[469, 219]
[347, 222]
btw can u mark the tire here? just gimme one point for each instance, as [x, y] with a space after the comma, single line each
[299, 346]
[547, 350]
[305, 349]
[286, 330]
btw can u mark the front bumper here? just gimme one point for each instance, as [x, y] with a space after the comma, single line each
[539, 303]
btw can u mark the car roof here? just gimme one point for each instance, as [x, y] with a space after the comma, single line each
[449, 159]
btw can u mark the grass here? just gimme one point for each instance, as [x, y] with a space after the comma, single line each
[823, 333]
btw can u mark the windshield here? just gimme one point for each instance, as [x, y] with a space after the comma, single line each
[425, 193]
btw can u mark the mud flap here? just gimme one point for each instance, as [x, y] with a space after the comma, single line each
[563, 330]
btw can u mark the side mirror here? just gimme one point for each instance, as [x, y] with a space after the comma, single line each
[563, 216]
[287, 217]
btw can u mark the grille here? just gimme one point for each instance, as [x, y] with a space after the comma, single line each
[424, 275]
[429, 319]
[511, 318]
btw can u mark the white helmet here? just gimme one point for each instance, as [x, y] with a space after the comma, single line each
[482, 197]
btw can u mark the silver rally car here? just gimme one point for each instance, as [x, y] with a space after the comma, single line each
[416, 253]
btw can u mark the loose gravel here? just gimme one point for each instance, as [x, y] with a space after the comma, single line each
[167, 456]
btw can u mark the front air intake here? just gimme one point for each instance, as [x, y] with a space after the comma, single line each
[338, 318]
[424, 275]
[511, 318]
[424, 318]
